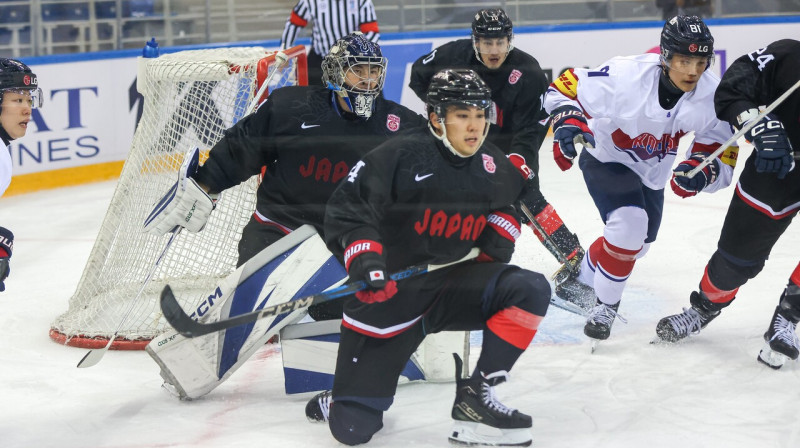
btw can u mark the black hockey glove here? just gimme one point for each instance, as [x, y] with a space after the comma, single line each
[773, 149]
[6, 247]
[498, 238]
[364, 261]
[685, 186]
[569, 127]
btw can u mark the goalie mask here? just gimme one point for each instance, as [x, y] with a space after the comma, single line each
[492, 32]
[686, 35]
[460, 88]
[17, 77]
[355, 70]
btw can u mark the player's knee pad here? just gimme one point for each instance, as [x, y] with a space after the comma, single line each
[524, 289]
[353, 423]
[728, 273]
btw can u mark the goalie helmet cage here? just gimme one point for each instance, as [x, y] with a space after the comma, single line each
[190, 99]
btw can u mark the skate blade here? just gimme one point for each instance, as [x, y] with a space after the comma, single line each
[477, 434]
[595, 343]
[771, 358]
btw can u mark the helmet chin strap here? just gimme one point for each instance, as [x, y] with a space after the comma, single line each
[446, 142]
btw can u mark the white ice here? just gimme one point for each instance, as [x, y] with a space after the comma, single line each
[706, 392]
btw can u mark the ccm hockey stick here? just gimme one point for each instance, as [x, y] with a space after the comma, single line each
[750, 124]
[190, 328]
[94, 356]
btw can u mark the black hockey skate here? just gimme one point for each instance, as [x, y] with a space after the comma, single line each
[318, 407]
[781, 340]
[569, 289]
[479, 419]
[598, 324]
[693, 319]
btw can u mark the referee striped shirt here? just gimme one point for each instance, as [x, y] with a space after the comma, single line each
[332, 20]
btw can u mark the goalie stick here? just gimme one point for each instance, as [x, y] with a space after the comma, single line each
[94, 356]
[691, 173]
[190, 328]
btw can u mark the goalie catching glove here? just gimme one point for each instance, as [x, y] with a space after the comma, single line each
[185, 204]
[6, 246]
[569, 127]
[364, 261]
[773, 148]
[685, 186]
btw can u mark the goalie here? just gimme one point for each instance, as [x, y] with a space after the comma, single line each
[308, 137]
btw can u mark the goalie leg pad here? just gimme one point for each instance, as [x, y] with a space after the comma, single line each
[294, 267]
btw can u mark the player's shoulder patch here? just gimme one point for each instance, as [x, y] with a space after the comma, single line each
[567, 84]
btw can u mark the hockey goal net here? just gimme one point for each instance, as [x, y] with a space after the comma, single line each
[190, 98]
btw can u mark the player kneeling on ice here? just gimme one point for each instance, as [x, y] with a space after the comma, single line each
[308, 137]
[429, 197]
[632, 112]
[767, 197]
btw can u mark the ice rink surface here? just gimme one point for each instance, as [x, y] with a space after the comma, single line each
[706, 392]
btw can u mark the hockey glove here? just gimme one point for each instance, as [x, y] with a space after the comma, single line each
[685, 186]
[6, 246]
[185, 204]
[498, 238]
[569, 127]
[773, 149]
[364, 261]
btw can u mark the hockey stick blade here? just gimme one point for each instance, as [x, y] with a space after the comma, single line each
[188, 327]
[94, 356]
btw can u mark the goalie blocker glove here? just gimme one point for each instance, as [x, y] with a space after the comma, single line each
[569, 127]
[364, 261]
[185, 204]
[685, 186]
[773, 149]
[6, 247]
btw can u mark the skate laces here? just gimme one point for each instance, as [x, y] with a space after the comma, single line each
[689, 321]
[785, 331]
[324, 402]
[488, 396]
[603, 314]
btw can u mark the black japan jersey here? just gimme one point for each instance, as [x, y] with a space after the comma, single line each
[758, 79]
[517, 88]
[307, 145]
[423, 204]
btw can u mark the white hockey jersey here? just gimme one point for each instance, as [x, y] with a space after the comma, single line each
[5, 167]
[620, 99]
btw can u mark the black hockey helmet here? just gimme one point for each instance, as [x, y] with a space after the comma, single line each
[686, 35]
[492, 22]
[351, 50]
[16, 76]
[457, 86]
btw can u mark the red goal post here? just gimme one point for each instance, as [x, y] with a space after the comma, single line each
[190, 99]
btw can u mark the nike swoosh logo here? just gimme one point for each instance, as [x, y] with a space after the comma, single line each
[308, 126]
[419, 178]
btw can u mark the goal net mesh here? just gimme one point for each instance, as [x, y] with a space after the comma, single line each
[190, 99]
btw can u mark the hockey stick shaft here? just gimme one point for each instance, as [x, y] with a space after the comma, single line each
[280, 59]
[190, 328]
[94, 356]
[562, 258]
[749, 125]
